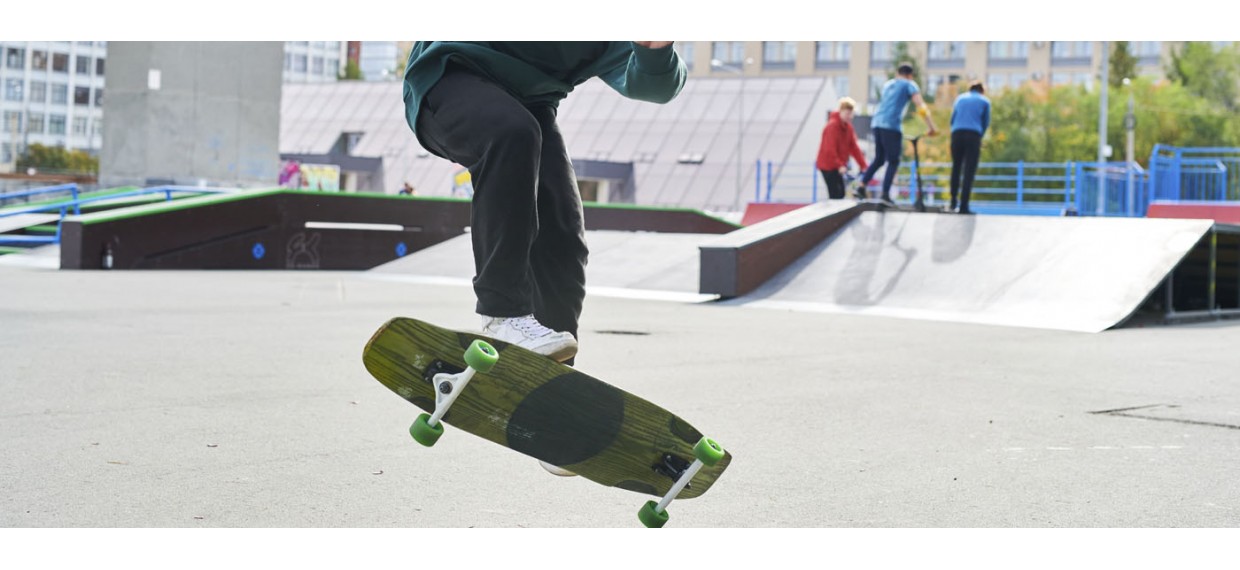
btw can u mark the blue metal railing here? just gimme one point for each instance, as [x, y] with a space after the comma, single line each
[1124, 190]
[63, 208]
[999, 187]
[1195, 173]
[45, 191]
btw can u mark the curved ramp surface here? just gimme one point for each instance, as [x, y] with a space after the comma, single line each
[1079, 274]
[622, 263]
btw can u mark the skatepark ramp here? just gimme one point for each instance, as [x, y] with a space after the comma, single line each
[1079, 274]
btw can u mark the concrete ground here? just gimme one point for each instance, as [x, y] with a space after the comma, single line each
[238, 399]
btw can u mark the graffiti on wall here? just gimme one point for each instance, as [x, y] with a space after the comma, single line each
[302, 176]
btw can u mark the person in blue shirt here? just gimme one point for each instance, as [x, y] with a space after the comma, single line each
[888, 133]
[970, 118]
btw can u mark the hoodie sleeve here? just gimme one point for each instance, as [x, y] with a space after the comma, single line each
[655, 75]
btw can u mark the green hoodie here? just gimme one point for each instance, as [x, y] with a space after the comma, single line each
[545, 72]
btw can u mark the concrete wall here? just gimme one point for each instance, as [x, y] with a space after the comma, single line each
[213, 116]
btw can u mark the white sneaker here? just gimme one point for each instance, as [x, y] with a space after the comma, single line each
[554, 470]
[526, 332]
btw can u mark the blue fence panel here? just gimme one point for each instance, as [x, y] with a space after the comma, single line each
[1124, 191]
[1195, 173]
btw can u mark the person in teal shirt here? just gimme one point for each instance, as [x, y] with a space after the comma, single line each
[491, 107]
[888, 132]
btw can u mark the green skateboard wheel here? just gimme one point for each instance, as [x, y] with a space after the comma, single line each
[481, 356]
[423, 433]
[650, 518]
[708, 452]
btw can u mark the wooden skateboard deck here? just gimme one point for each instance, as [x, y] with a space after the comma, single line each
[543, 409]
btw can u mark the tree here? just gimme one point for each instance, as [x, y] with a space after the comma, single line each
[352, 72]
[1122, 65]
[56, 158]
[1208, 73]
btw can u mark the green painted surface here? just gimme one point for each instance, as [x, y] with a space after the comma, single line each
[402, 350]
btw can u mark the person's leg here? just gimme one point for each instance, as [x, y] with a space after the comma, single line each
[835, 184]
[957, 161]
[972, 155]
[893, 145]
[468, 120]
[559, 255]
[880, 155]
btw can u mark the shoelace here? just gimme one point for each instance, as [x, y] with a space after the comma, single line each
[530, 327]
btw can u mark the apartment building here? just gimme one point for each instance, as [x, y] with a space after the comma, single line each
[313, 62]
[857, 69]
[52, 94]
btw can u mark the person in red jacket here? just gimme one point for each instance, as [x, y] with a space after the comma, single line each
[839, 142]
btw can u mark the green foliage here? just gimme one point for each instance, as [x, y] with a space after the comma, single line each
[1060, 124]
[1122, 64]
[1208, 73]
[56, 158]
[352, 72]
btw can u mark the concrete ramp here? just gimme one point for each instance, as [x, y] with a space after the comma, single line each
[622, 263]
[1079, 274]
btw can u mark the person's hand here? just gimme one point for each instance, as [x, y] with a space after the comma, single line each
[653, 45]
[932, 132]
[843, 170]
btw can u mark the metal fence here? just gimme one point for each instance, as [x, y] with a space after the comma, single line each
[1079, 188]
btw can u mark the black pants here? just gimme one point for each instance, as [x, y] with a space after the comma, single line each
[888, 144]
[835, 183]
[966, 151]
[527, 224]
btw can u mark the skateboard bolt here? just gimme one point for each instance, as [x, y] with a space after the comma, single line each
[445, 387]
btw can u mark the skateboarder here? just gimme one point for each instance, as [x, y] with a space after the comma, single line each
[839, 142]
[491, 106]
[970, 118]
[888, 132]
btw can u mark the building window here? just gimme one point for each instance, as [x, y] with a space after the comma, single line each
[99, 67]
[83, 64]
[333, 67]
[81, 95]
[728, 52]
[686, 54]
[996, 83]
[840, 83]
[1147, 53]
[945, 54]
[96, 128]
[1072, 53]
[98, 96]
[60, 62]
[832, 55]
[34, 123]
[13, 89]
[15, 58]
[877, 80]
[38, 92]
[79, 126]
[6, 154]
[38, 60]
[299, 63]
[779, 55]
[316, 66]
[12, 122]
[60, 94]
[881, 54]
[288, 61]
[935, 81]
[55, 124]
[1008, 53]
